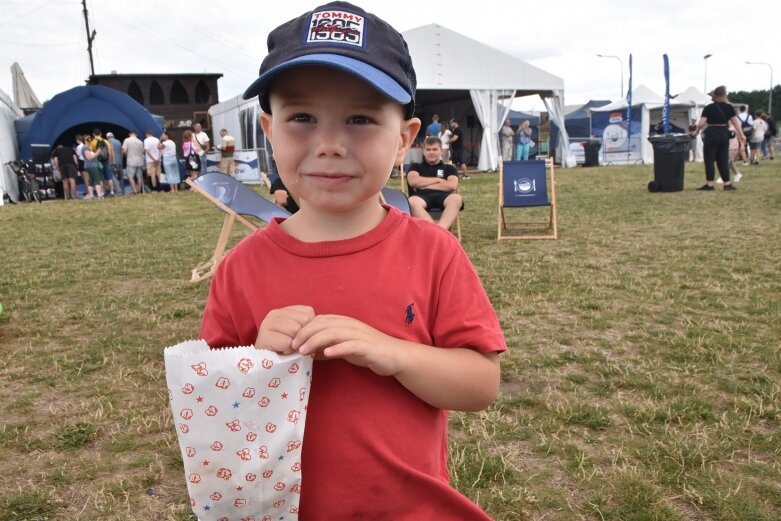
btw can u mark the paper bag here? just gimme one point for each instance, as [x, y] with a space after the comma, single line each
[239, 415]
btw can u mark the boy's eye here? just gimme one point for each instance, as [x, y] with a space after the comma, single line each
[360, 120]
[301, 118]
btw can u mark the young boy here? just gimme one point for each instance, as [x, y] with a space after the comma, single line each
[433, 184]
[391, 307]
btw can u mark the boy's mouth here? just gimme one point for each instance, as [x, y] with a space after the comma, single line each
[329, 178]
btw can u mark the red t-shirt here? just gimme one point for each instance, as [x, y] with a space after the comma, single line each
[372, 450]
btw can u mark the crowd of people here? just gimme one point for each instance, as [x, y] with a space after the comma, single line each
[105, 162]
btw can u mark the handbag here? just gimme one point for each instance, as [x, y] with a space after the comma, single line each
[193, 161]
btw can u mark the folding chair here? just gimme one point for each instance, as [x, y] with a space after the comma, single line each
[395, 198]
[524, 184]
[436, 213]
[236, 200]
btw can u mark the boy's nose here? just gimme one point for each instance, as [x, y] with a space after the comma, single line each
[331, 140]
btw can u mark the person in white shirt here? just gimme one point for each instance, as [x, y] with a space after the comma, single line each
[152, 154]
[203, 141]
[755, 143]
[226, 148]
[133, 148]
[170, 163]
[507, 133]
[745, 121]
[444, 137]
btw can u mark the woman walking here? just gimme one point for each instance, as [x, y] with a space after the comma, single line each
[716, 116]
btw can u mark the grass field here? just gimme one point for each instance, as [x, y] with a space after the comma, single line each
[643, 380]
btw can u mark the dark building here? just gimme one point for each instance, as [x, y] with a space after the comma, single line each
[182, 99]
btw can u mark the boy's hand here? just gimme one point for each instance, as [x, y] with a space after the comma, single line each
[335, 336]
[281, 326]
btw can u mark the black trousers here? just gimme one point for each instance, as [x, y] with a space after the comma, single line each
[715, 148]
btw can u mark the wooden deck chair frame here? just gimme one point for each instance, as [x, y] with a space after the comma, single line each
[266, 210]
[436, 213]
[526, 227]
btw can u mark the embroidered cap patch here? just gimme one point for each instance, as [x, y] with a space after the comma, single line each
[336, 27]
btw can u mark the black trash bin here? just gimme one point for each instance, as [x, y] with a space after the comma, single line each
[591, 151]
[670, 153]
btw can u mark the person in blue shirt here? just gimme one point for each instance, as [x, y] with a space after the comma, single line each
[434, 126]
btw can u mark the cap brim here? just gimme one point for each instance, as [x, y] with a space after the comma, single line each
[363, 71]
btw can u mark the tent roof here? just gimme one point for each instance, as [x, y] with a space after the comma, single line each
[693, 96]
[12, 107]
[517, 117]
[642, 95]
[24, 96]
[582, 111]
[90, 104]
[447, 60]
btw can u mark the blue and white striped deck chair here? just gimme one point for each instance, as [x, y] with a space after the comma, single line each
[524, 185]
[236, 200]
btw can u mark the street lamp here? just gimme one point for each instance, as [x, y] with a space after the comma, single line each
[770, 94]
[621, 63]
[705, 82]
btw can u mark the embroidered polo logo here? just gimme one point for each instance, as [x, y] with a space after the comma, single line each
[410, 315]
[336, 27]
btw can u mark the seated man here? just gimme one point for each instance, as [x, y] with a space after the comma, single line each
[281, 196]
[433, 185]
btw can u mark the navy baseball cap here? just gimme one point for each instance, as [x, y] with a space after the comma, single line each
[344, 37]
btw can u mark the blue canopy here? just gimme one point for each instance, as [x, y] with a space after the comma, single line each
[517, 117]
[578, 122]
[88, 106]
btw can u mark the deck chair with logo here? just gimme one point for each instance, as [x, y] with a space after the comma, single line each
[237, 201]
[436, 213]
[526, 186]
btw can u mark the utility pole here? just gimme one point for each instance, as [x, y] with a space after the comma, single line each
[90, 38]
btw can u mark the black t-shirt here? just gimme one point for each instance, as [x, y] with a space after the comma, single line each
[277, 184]
[718, 113]
[458, 144]
[440, 170]
[64, 156]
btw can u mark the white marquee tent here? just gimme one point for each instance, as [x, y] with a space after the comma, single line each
[459, 77]
[9, 112]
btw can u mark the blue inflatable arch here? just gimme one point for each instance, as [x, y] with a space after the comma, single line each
[88, 106]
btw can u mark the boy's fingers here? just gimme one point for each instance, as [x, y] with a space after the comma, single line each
[274, 341]
[301, 314]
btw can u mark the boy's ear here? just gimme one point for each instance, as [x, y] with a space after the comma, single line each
[409, 130]
[265, 123]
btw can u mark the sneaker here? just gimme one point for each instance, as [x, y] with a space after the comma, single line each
[88, 198]
[745, 163]
[738, 177]
[706, 188]
[465, 177]
[719, 181]
[729, 188]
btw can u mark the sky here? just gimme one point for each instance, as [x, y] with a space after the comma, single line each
[48, 40]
